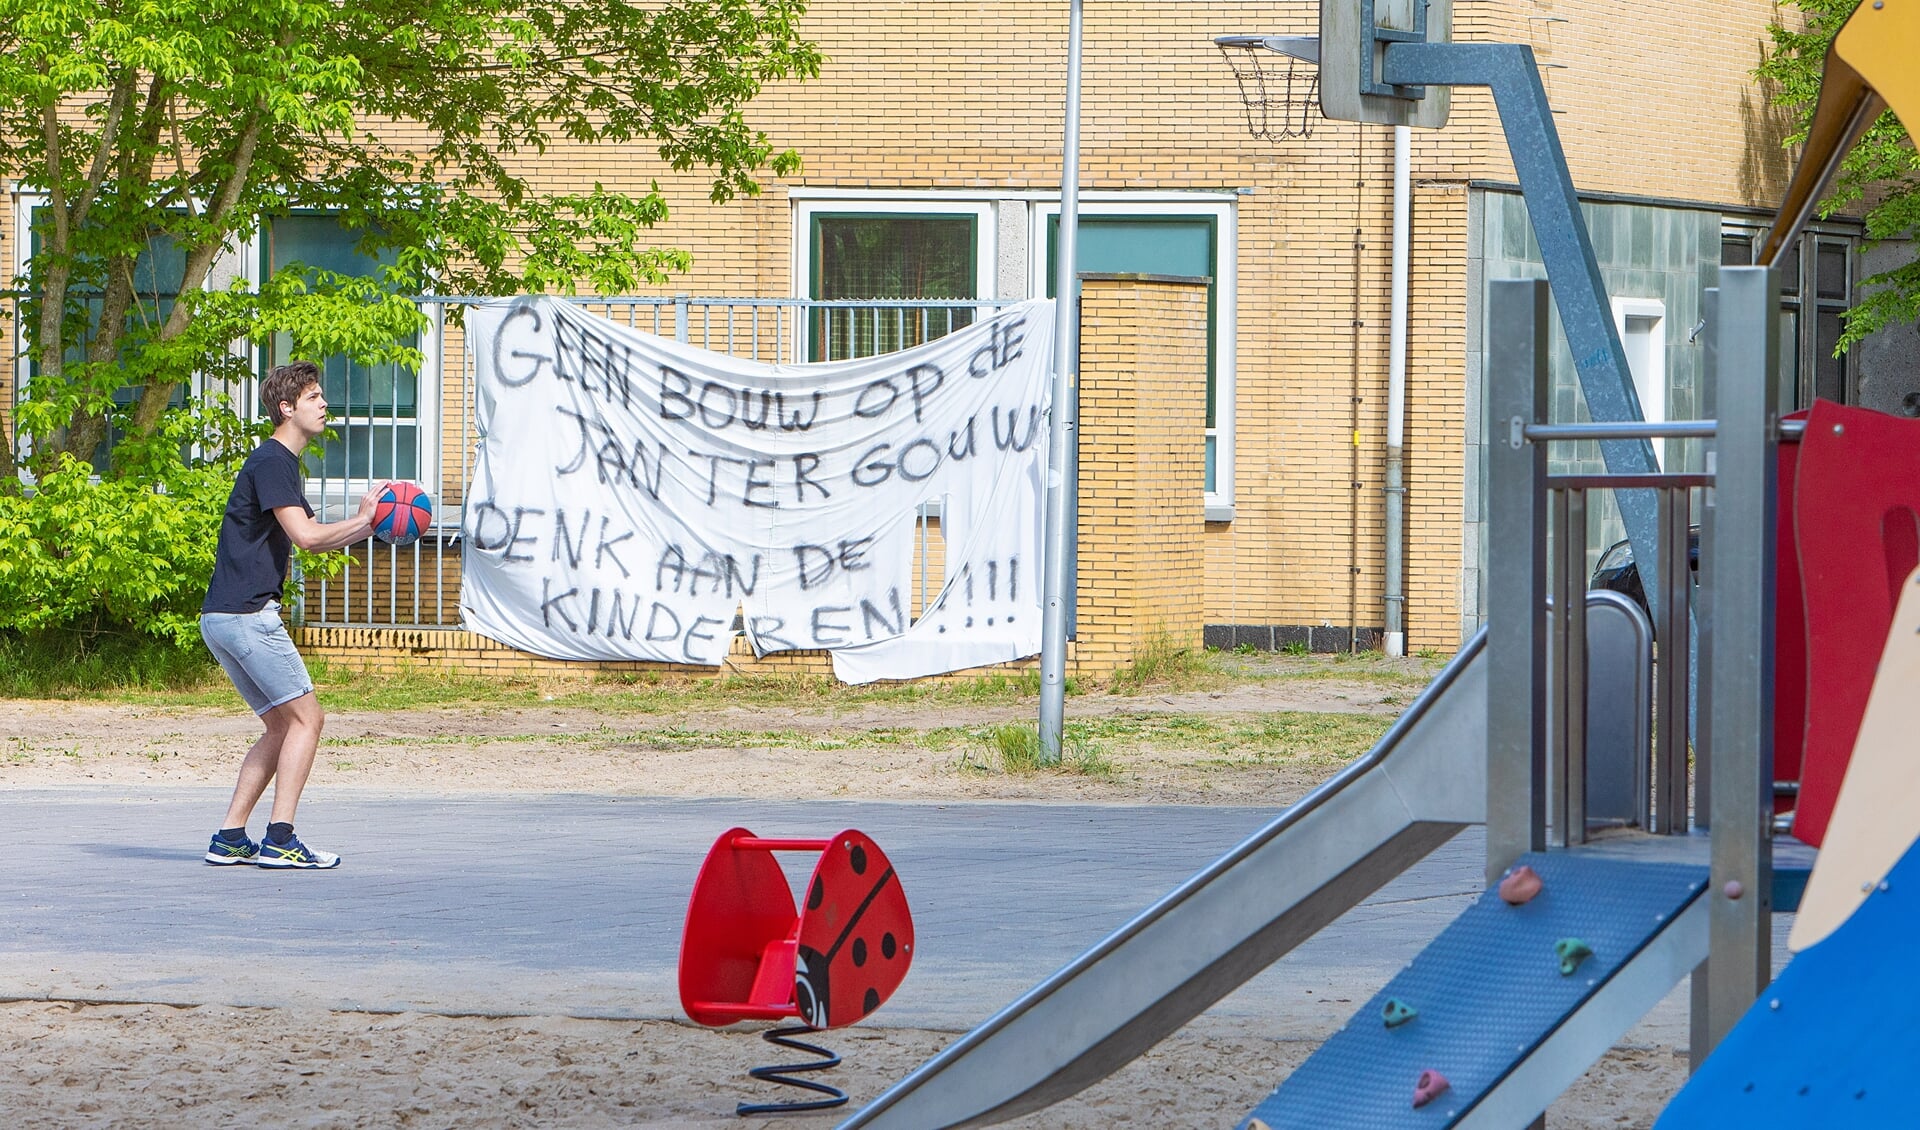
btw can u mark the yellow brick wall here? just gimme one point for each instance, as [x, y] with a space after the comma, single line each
[1143, 375]
[1437, 408]
[967, 97]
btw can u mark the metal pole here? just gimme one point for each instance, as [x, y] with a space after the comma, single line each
[1062, 429]
[1559, 684]
[1565, 249]
[1573, 758]
[1517, 573]
[1740, 685]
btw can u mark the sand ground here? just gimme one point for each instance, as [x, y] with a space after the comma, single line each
[130, 1065]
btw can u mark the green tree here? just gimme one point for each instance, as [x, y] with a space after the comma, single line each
[1881, 169]
[163, 133]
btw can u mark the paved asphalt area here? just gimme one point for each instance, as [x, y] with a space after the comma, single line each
[573, 905]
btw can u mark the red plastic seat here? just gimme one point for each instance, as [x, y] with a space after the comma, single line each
[748, 953]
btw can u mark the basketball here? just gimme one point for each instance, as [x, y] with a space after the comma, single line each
[401, 514]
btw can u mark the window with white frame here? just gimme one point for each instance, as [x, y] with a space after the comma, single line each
[1192, 236]
[1642, 326]
[864, 262]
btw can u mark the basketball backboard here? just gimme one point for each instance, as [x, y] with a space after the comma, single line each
[1353, 41]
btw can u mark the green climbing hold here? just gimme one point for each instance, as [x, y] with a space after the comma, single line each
[1571, 952]
[1397, 1012]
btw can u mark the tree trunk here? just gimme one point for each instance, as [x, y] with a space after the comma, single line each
[154, 398]
[9, 463]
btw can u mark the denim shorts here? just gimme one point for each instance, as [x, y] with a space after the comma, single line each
[257, 655]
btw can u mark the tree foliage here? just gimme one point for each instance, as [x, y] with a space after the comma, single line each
[117, 556]
[166, 133]
[1882, 169]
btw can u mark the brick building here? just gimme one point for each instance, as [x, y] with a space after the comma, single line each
[931, 141]
[941, 124]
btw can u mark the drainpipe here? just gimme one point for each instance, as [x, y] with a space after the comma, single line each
[1397, 398]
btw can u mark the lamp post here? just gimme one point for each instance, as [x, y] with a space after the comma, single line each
[1062, 421]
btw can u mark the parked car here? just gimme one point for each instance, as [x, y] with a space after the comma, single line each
[1619, 572]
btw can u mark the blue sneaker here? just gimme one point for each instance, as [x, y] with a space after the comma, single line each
[293, 853]
[220, 853]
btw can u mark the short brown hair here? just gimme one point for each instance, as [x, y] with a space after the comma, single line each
[286, 384]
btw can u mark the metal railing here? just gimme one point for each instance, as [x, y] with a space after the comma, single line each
[419, 585]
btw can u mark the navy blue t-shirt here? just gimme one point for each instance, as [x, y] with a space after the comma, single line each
[250, 562]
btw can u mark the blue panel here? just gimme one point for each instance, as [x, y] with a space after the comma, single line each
[1488, 991]
[1789, 887]
[1833, 1041]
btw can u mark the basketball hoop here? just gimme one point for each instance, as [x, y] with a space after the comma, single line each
[1282, 99]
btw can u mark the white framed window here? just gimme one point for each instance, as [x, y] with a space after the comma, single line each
[1642, 326]
[1169, 234]
[860, 248]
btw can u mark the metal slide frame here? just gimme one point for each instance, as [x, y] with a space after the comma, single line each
[1566, 249]
[1422, 784]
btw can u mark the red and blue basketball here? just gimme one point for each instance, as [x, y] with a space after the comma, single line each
[401, 514]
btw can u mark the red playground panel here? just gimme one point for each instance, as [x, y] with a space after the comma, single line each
[1789, 633]
[1856, 518]
[749, 954]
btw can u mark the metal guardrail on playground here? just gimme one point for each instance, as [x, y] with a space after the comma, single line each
[390, 424]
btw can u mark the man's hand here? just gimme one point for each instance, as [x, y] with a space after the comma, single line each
[324, 537]
[370, 500]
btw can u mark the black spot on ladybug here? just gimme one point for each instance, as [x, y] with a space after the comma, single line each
[870, 1002]
[887, 946]
[817, 895]
[859, 951]
[859, 860]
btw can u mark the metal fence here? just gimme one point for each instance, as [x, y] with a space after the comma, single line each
[392, 425]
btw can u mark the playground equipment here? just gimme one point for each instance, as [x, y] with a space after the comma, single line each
[747, 953]
[1875, 814]
[1831, 1041]
[1598, 941]
[1853, 535]
[1529, 986]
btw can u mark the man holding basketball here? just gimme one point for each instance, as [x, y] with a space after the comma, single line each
[267, 514]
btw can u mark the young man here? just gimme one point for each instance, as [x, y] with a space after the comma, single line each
[267, 514]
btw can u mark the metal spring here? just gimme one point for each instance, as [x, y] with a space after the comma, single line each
[777, 1073]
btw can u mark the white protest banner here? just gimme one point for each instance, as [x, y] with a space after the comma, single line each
[632, 493]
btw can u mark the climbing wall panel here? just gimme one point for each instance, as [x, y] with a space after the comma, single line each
[1485, 994]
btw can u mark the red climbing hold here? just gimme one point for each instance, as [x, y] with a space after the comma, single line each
[1429, 1088]
[1519, 885]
